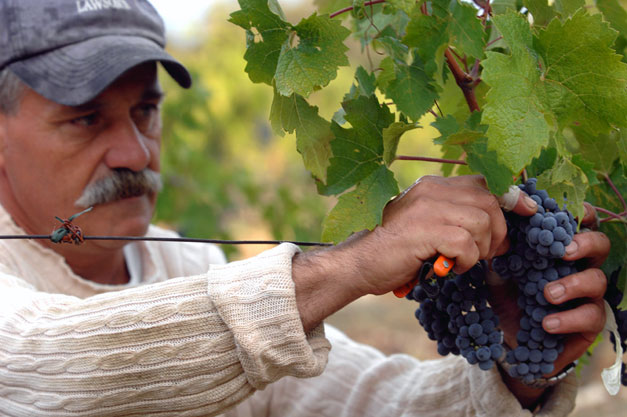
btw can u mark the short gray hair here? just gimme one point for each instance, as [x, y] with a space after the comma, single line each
[11, 90]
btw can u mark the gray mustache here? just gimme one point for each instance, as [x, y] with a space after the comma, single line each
[122, 183]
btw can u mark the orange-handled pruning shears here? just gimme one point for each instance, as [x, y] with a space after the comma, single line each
[441, 267]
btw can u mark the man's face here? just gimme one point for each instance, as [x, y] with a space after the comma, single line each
[49, 153]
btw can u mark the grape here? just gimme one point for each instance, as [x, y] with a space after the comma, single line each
[521, 353]
[546, 367]
[559, 234]
[549, 223]
[496, 351]
[549, 355]
[535, 355]
[545, 238]
[483, 353]
[522, 369]
[475, 330]
[550, 204]
[557, 249]
[536, 221]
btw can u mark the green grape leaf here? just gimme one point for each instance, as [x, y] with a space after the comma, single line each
[545, 161]
[485, 162]
[466, 29]
[313, 60]
[541, 11]
[361, 208]
[470, 132]
[429, 35]
[621, 143]
[582, 73]
[452, 101]
[514, 110]
[599, 149]
[447, 126]
[313, 133]
[391, 136]
[366, 83]
[502, 6]
[392, 45]
[587, 167]
[387, 73]
[615, 14]
[357, 151]
[404, 5]
[266, 32]
[567, 184]
[568, 7]
[413, 91]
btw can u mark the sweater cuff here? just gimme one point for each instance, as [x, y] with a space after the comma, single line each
[256, 300]
[491, 397]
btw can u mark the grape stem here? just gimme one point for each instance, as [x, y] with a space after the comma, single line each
[620, 197]
[427, 159]
[348, 9]
[463, 80]
[611, 214]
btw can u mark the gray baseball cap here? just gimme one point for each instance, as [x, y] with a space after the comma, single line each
[69, 51]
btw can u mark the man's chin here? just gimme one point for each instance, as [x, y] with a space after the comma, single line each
[128, 216]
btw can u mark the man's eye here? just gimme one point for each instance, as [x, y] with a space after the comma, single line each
[148, 109]
[87, 120]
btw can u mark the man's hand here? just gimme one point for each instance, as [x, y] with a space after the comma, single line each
[456, 217]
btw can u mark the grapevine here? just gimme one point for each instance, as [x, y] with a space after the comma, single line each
[516, 89]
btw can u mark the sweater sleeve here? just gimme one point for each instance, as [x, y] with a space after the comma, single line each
[360, 381]
[167, 349]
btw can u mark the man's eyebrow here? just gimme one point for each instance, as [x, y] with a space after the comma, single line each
[153, 93]
[86, 107]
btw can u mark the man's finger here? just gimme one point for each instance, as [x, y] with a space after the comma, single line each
[587, 319]
[575, 346]
[592, 245]
[517, 201]
[590, 283]
[590, 219]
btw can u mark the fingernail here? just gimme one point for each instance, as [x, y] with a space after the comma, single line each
[551, 323]
[571, 248]
[529, 202]
[556, 290]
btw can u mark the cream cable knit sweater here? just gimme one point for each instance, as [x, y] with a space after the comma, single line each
[199, 344]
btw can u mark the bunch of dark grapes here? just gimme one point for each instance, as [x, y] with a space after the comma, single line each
[455, 313]
[536, 245]
[614, 296]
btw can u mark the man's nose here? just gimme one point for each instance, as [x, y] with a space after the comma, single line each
[128, 147]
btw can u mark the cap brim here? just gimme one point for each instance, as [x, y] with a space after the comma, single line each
[77, 73]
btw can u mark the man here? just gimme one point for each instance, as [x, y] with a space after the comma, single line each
[107, 329]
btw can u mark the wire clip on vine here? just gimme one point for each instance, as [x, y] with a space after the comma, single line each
[69, 233]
